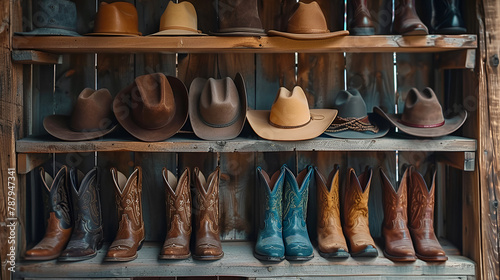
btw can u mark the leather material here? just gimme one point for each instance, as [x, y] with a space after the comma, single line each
[406, 20]
[360, 20]
[398, 244]
[355, 214]
[131, 231]
[178, 192]
[447, 17]
[269, 246]
[295, 236]
[331, 240]
[60, 222]
[421, 218]
[87, 235]
[206, 209]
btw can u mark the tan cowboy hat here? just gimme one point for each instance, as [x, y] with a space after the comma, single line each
[217, 108]
[116, 19]
[239, 18]
[91, 117]
[290, 118]
[423, 116]
[153, 108]
[179, 19]
[307, 23]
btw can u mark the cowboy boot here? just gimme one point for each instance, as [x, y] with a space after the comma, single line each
[356, 227]
[398, 245]
[207, 245]
[360, 20]
[298, 247]
[176, 244]
[269, 246]
[421, 218]
[331, 241]
[87, 236]
[60, 222]
[128, 200]
[406, 20]
[447, 17]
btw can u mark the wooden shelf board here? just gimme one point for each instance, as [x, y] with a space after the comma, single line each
[238, 260]
[264, 44]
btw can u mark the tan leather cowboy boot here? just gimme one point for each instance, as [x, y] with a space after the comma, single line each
[130, 234]
[331, 241]
[356, 227]
[176, 245]
[398, 245]
[206, 210]
[60, 223]
[421, 218]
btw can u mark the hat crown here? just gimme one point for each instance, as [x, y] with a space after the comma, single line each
[307, 19]
[422, 109]
[153, 104]
[179, 16]
[350, 104]
[92, 110]
[219, 103]
[118, 18]
[239, 14]
[290, 109]
[55, 14]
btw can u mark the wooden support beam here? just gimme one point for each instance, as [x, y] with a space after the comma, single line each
[35, 57]
[465, 161]
[462, 59]
[28, 162]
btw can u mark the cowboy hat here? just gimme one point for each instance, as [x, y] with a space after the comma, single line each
[352, 119]
[307, 23]
[423, 116]
[179, 19]
[239, 18]
[290, 118]
[153, 108]
[91, 117]
[217, 108]
[116, 19]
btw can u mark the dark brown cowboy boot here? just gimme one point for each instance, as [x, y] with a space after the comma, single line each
[176, 244]
[60, 223]
[130, 234]
[406, 20]
[356, 227]
[360, 20]
[207, 245]
[398, 245]
[421, 218]
[331, 241]
[87, 236]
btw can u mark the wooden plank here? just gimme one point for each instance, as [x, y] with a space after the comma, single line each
[465, 161]
[464, 59]
[264, 44]
[35, 57]
[28, 162]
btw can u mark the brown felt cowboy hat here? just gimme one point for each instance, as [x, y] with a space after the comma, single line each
[153, 108]
[91, 117]
[116, 19]
[217, 108]
[290, 118]
[239, 18]
[179, 19]
[423, 116]
[307, 22]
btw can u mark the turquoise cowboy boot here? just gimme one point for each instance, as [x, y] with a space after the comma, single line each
[269, 245]
[298, 247]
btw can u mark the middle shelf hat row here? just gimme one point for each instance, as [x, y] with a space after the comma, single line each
[155, 107]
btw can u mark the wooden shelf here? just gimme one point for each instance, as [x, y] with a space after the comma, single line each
[264, 44]
[238, 260]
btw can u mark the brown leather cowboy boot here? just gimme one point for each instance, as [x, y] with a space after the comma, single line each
[398, 245]
[356, 227]
[331, 241]
[406, 20]
[421, 218]
[176, 244]
[60, 223]
[360, 20]
[207, 245]
[130, 234]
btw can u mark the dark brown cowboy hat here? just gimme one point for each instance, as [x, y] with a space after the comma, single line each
[239, 18]
[217, 108]
[423, 116]
[153, 108]
[91, 117]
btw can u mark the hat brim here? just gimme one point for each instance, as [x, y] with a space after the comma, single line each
[450, 125]
[259, 121]
[178, 32]
[124, 115]
[49, 32]
[308, 36]
[59, 127]
[204, 131]
[383, 129]
[240, 31]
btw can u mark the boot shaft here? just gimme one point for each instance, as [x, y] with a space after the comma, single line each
[328, 198]
[207, 199]
[178, 199]
[356, 197]
[86, 200]
[296, 194]
[272, 190]
[395, 202]
[421, 202]
[129, 196]
[59, 197]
